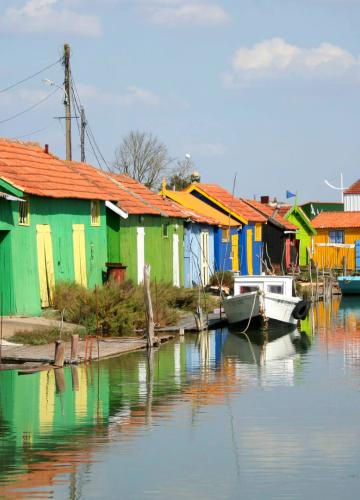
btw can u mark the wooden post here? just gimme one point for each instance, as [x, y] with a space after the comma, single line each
[199, 322]
[59, 357]
[344, 265]
[148, 306]
[74, 348]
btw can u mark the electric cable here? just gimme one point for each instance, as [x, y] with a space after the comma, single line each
[34, 132]
[29, 108]
[29, 77]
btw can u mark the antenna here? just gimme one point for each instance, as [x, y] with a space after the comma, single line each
[341, 188]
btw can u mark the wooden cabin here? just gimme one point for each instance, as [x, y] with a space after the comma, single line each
[281, 248]
[200, 236]
[335, 244]
[52, 227]
[304, 233]
[237, 248]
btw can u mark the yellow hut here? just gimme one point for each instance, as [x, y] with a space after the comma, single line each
[337, 233]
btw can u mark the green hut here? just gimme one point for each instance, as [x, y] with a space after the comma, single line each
[305, 230]
[52, 227]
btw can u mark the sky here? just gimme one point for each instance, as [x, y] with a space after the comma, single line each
[266, 92]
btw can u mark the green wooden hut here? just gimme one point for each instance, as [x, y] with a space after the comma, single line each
[52, 227]
[305, 231]
[152, 233]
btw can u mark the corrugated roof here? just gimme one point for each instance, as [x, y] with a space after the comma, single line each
[228, 202]
[29, 168]
[271, 212]
[336, 220]
[188, 200]
[354, 188]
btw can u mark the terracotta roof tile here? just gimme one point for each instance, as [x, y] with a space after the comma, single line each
[354, 188]
[273, 212]
[27, 167]
[336, 220]
[230, 202]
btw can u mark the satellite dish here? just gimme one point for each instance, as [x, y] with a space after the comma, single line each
[188, 156]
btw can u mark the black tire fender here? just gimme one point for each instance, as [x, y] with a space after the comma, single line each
[301, 309]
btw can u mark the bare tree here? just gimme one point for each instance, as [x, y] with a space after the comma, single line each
[143, 157]
[180, 176]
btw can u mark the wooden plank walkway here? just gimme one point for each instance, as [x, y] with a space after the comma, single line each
[16, 356]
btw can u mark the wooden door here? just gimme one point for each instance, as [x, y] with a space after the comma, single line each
[204, 258]
[176, 261]
[45, 264]
[235, 252]
[6, 287]
[249, 251]
[140, 245]
[80, 274]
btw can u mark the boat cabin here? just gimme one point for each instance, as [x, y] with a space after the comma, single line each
[282, 285]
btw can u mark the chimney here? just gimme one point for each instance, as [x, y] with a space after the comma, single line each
[46, 149]
[264, 200]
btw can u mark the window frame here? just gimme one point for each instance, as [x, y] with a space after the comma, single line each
[225, 235]
[258, 231]
[95, 220]
[24, 205]
[335, 235]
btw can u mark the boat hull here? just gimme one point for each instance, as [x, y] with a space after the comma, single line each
[349, 285]
[239, 307]
[275, 307]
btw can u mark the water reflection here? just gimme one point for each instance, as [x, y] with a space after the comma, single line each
[55, 426]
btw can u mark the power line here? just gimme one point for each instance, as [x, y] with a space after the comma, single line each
[34, 132]
[29, 108]
[89, 133]
[29, 77]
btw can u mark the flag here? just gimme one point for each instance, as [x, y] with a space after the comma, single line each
[289, 194]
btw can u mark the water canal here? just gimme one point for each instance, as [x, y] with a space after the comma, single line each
[205, 417]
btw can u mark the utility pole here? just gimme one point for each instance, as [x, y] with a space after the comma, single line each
[67, 101]
[83, 124]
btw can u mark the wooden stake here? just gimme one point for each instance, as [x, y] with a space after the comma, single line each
[74, 348]
[148, 306]
[59, 357]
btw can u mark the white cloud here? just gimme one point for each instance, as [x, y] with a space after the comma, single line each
[49, 16]
[174, 13]
[275, 59]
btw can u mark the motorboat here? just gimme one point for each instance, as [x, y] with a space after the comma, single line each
[265, 297]
[349, 285]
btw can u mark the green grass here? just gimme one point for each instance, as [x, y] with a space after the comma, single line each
[118, 309]
[43, 336]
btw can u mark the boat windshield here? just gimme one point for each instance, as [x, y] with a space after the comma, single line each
[247, 289]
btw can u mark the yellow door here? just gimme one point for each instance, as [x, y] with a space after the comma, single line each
[45, 264]
[249, 251]
[79, 254]
[235, 252]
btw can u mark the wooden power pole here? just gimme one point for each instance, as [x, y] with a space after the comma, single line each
[83, 124]
[67, 102]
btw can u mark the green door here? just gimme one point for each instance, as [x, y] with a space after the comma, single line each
[6, 289]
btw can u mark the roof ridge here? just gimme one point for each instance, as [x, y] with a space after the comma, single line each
[136, 195]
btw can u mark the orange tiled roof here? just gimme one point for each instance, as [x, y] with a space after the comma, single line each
[29, 168]
[283, 210]
[273, 212]
[148, 197]
[336, 220]
[199, 207]
[228, 201]
[354, 188]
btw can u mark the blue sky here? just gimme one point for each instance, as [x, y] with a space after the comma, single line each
[267, 89]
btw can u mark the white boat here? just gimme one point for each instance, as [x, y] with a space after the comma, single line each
[270, 297]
